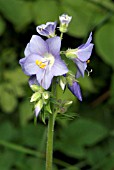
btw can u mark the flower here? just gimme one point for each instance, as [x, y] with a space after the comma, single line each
[64, 22]
[65, 19]
[81, 55]
[75, 89]
[42, 60]
[47, 29]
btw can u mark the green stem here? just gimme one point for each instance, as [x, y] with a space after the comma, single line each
[61, 36]
[50, 133]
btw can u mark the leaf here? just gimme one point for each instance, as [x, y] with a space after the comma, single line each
[49, 12]
[8, 101]
[6, 160]
[26, 112]
[86, 83]
[81, 133]
[104, 40]
[7, 131]
[2, 26]
[33, 135]
[17, 12]
[83, 18]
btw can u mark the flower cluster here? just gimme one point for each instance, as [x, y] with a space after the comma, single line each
[42, 61]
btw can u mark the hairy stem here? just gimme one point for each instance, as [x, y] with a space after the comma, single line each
[50, 133]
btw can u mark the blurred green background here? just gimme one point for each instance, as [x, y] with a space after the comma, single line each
[87, 141]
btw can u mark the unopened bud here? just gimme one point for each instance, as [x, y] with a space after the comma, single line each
[35, 97]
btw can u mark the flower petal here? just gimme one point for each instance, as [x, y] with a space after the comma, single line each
[59, 68]
[54, 45]
[45, 78]
[27, 50]
[81, 68]
[30, 67]
[38, 45]
[84, 53]
[75, 89]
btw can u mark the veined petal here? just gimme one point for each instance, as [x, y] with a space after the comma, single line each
[30, 66]
[81, 68]
[27, 50]
[38, 45]
[87, 43]
[45, 78]
[59, 68]
[84, 53]
[54, 45]
[75, 89]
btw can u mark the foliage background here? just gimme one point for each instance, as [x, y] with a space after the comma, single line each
[84, 143]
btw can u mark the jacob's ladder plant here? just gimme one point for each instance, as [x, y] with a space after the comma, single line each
[43, 64]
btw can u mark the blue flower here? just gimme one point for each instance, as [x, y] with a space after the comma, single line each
[47, 29]
[42, 59]
[81, 55]
[75, 89]
[65, 19]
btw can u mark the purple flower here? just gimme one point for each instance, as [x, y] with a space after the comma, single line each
[42, 60]
[81, 55]
[65, 19]
[75, 89]
[47, 29]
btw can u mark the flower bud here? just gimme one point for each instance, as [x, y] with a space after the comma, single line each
[38, 107]
[71, 53]
[35, 87]
[46, 95]
[64, 22]
[63, 82]
[35, 97]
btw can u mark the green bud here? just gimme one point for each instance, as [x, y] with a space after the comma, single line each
[35, 97]
[63, 28]
[46, 95]
[39, 104]
[63, 82]
[68, 103]
[71, 53]
[35, 87]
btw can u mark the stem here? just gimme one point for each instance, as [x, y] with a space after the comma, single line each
[61, 36]
[50, 133]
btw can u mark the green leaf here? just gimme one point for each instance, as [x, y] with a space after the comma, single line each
[7, 131]
[83, 18]
[81, 133]
[86, 83]
[33, 135]
[6, 160]
[8, 101]
[2, 26]
[104, 40]
[26, 112]
[16, 11]
[45, 11]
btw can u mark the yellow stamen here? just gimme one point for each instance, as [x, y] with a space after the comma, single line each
[88, 61]
[40, 64]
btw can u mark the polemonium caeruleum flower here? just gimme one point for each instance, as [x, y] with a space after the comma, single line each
[47, 29]
[75, 89]
[81, 55]
[43, 60]
[64, 22]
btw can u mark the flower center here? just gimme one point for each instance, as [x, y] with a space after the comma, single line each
[47, 60]
[40, 64]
